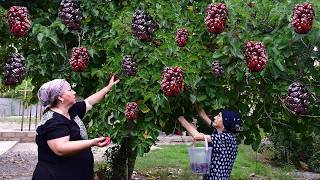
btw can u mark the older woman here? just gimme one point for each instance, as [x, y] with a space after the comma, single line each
[64, 150]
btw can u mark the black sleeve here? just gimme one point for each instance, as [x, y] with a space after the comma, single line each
[79, 108]
[56, 128]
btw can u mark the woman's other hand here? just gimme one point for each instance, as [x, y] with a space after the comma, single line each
[100, 142]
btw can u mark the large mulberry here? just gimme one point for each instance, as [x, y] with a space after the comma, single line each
[182, 37]
[255, 56]
[172, 81]
[217, 69]
[129, 65]
[19, 21]
[297, 99]
[79, 59]
[14, 69]
[131, 111]
[71, 14]
[143, 26]
[302, 18]
[216, 18]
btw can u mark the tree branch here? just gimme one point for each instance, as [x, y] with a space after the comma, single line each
[304, 43]
[311, 116]
[273, 121]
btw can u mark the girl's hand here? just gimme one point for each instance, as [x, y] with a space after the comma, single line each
[181, 119]
[199, 137]
[199, 110]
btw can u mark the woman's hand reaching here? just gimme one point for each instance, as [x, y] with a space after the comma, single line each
[112, 81]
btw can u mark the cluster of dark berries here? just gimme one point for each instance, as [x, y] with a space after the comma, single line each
[182, 37]
[255, 56]
[129, 65]
[70, 14]
[172, 81]
[217, 69]
[79, 59]
[14, 69]
[302, 18]
[131, 111]
[19, 21]
[216, 18]
[297, 99]
[143, 25]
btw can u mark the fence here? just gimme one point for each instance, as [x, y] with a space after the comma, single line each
[16, 108]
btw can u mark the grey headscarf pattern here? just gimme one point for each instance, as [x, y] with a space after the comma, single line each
[51, 90]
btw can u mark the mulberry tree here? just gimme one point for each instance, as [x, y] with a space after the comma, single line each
[165, 80]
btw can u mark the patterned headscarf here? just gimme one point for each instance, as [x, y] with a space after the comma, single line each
[231, 120]
[51, 90]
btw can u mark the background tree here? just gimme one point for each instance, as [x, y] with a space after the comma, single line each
[107, 35]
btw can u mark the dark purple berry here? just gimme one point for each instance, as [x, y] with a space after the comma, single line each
[129, 65]
[19, 21]
[71, 14]
[143, 26]
[216, 18]
[14, 69]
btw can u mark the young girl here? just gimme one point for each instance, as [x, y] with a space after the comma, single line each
[223, 139]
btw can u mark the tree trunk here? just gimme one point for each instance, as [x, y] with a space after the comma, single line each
[124, 161]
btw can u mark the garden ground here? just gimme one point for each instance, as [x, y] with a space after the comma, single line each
[169, 156]
[19, 163]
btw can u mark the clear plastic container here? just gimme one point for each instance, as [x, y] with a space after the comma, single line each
[200, 158]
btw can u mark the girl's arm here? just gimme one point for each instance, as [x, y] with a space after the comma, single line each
[194, 133]
[203, 114]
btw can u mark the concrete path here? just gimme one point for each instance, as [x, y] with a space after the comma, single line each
[6, 146]
[15, 146]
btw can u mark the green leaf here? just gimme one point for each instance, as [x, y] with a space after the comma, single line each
[92, 51]
[267, 40]
[144, 108]
[202, 97]
[235, 50]
[239, 75]
[217, 55]
[148, 96]
[193, 98]
[279, 65]
[162, 123]
[275, 51]
[40, 38]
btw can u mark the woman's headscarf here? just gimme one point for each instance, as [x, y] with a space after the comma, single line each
[51, 90]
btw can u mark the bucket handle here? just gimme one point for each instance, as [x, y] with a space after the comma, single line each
[205, 142]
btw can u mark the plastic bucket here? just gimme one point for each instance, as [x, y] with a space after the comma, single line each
[200, 158]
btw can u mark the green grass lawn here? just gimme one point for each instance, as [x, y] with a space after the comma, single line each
[164, 163]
